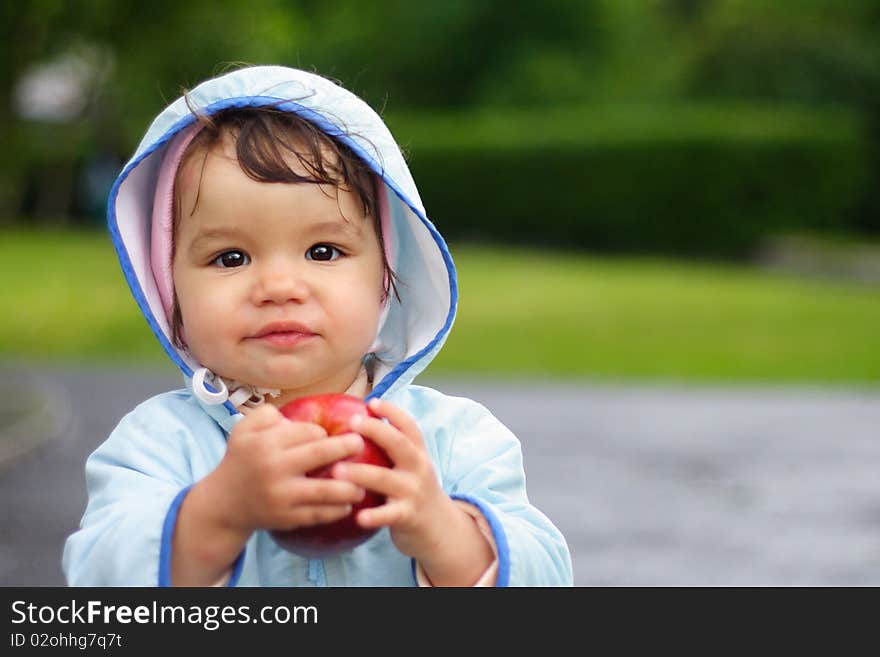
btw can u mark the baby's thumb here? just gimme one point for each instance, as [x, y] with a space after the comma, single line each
[264, 415]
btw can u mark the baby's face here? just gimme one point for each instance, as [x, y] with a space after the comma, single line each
[279, 285]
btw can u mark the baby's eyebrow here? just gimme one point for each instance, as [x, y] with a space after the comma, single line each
[207, 236]
[337, 227]
[210, 234]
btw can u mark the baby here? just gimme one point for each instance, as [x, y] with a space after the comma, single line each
[273, 238]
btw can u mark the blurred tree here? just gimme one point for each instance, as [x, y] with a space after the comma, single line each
[434, 54]
[814, 52]
[152, 50]
[687, 11]
[453, 53]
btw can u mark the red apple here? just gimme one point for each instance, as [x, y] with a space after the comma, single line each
[333, 412]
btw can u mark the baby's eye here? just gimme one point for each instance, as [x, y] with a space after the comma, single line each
[323, 252]
[229, 259]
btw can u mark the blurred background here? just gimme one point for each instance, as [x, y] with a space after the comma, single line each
[665, 198]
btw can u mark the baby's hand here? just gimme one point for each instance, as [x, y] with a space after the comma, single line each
[416, 508]
[262, 479]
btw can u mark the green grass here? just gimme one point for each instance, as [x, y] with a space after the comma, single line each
[563, 315]
[521, 313]
[68, 300]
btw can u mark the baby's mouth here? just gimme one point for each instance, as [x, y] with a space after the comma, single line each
[284, 334]
[286, 338]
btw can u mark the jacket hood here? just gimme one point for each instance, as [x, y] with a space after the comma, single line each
[415, 327]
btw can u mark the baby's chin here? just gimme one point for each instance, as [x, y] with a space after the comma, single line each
[270, 383]
[287, 388]
[239, 378]
[301, 382]
[253, 375]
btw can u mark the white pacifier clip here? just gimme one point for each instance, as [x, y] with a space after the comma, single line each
[203, 394]
[236, 392]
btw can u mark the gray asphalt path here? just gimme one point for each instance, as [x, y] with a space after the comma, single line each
[651, 485]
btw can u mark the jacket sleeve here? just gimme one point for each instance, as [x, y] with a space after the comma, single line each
[484, 467]
[136, 481]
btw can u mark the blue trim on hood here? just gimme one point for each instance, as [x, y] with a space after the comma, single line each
[122, 253]
[401, 367]
[331, 129]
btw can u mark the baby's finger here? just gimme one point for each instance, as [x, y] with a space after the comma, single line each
[262, 417]
[315, 514]
[397, 417]
[305, 490]
[318, 453]
[297, 433]
[399, 448]
[372, 477]
[383, 516]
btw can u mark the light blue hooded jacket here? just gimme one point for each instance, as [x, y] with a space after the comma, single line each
[139, 476]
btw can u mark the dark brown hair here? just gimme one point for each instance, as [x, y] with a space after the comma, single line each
[265, 140]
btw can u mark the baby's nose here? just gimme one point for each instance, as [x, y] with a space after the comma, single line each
[280, 284]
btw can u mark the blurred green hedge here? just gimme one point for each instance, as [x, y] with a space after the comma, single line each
[689, 180]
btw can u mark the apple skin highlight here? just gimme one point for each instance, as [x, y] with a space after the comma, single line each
[333, 412]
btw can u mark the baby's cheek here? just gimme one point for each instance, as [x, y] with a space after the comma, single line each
[372, 311]
[204, 320]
